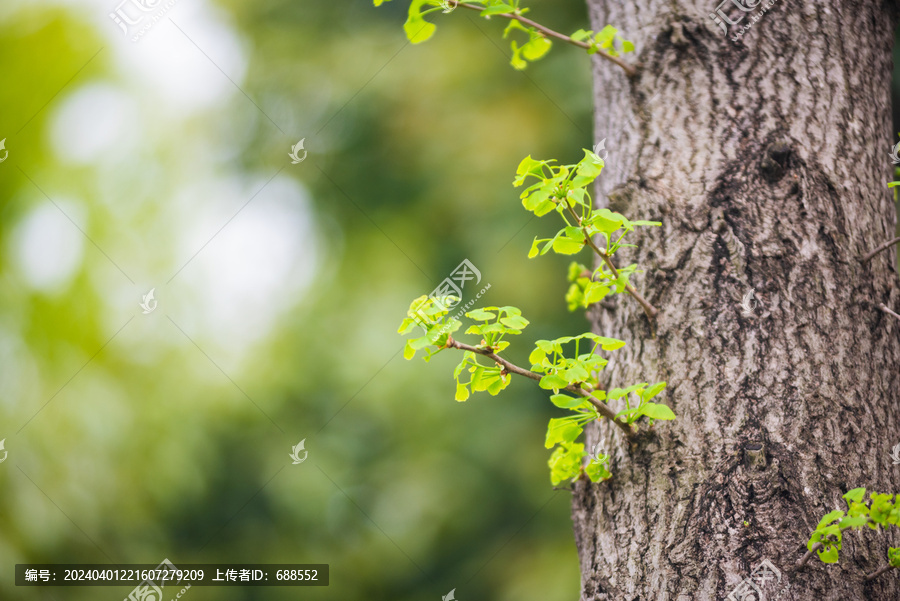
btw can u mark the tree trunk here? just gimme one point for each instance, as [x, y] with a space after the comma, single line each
[766, 159]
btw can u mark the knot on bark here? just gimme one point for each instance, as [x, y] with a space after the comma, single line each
[774, 163]
[755, 455]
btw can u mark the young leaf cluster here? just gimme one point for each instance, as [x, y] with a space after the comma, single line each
[644, 407]
[880, 510]
[431, 315]
[566, 366]
[564, 189]
[607, 39]
[491, 324]
[534, 39]
[536, 46]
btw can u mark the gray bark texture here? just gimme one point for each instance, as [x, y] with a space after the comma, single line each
[766, 160]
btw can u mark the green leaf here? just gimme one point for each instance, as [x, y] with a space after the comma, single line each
[478, 379]
[416, 27]
[408, 351]
[828, 518]
[654, 390]
[497, 9]
[537, 199]
[565, 462]
[590, 166]
[607, 344]
[462, 393]
[561, 429]
[828, 554]
[564, 401]
[618, 393]
[576, 373]
[536, 356]
[536, 48]
[595, 292]
[854, 522]
[607, 221]
[630, 414]
[480, 315]
[515, 321]
[856, 494]
[518, 63]
[597, 470]
[564, 245]
[581, 35]
[496, 385]
[553, 382]
[529, 166]
[419, 343]
[605, 37]
[656, 411]
[548, 346]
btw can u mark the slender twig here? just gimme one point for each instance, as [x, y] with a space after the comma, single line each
[888, 311]
[629, 70]
[602, 408]
[869, 256]
[806, 557]
[879, 572]
[649, 309]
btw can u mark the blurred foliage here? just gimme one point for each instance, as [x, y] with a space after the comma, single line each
[135, 437]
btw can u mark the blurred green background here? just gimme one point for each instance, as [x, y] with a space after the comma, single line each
[163, 164]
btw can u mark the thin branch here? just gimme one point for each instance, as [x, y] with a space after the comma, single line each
[869, 256]
[888, 311]
[649, 309]
[879, 572]
[806, 557]
[602, 408]
[629, 70]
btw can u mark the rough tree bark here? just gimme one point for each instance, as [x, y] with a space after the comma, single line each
[766, 160]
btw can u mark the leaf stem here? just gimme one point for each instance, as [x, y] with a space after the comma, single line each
[629, 70]
[602, 408]
[888, 244]
[649, 309]
[879, 572]
[888, 311]
[808, 554]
